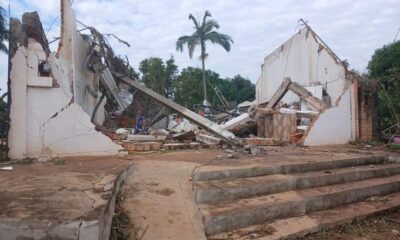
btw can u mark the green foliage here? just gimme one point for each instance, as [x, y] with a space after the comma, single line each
[188, 88]
[3, 30]
[384, 66]
[158, 75]
[239, 89]
[383, 60]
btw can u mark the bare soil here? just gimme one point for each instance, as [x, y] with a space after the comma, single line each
[383, 227]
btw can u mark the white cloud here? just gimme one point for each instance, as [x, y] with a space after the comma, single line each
[352, 28]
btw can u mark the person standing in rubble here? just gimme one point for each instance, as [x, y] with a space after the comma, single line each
[113, 120]
[139, 123]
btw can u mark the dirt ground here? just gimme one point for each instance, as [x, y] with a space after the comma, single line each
[60, 190]
[383, 227]
[159, 197]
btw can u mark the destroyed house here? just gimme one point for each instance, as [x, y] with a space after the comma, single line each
[307, 85]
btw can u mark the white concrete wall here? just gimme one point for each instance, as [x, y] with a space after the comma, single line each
[306, 61]
[18, 85]
[301, 59]
[47, 119]
[74, 50]
[44, 119]
[334, 126]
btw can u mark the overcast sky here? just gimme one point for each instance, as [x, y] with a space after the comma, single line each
[352, 28]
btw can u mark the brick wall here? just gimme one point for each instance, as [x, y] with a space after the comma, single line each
[365, 108]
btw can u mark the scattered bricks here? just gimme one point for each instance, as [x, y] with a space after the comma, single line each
[262, 141]
[141, 146]
[117, 137]
[146, 138]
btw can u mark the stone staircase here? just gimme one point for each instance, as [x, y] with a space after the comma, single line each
[293, 199]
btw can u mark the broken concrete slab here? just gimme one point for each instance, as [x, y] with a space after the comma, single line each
[208, 139]
[236, 121]
[49, 201]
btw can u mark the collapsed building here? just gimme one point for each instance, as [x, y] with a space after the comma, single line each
[58, 101]
[311, 88]
[56, 105]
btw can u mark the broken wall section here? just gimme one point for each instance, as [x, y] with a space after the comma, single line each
[307, 61]
[45, 119]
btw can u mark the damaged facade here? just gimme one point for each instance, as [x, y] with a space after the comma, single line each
[53, 96]
[316, 69]
[57, 101]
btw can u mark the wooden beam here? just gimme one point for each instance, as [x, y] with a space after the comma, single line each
[278, 95]
[197, 119]
[315, 104]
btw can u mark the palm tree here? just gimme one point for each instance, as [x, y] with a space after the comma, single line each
[203, 33]
[3, 30]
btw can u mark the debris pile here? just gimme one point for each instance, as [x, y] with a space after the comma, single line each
[93, 94]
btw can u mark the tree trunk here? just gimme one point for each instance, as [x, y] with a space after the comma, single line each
[203, 55]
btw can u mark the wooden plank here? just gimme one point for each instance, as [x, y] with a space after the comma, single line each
[314, 103]
[278, 95]
[268, 126]
[261, 126]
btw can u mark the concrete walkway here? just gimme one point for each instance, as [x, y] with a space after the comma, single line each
[160, 201]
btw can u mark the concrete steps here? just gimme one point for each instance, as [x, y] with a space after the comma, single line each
[222, 190]
[296, 167]
[299, 226]
[237, 198]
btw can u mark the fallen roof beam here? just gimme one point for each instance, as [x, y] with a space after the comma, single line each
[197, 119]
[314, 103]
[278, 95]
[108, 80]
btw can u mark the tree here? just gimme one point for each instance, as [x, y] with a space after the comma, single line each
[237, 89]
[203, 32]
[158, 75]
[384, 67]
[3, 31]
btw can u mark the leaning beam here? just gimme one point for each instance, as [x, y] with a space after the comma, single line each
[314, 103]
[278, 95]
[197, 119]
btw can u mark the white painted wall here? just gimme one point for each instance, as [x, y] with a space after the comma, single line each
[306, 61]
[334, 126]
[301, 59]
[49, 119]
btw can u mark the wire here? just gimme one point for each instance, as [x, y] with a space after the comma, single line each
[52, 23]
[396, 35]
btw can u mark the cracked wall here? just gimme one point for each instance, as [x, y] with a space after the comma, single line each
[50, 115]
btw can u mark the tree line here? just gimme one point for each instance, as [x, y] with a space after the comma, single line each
[185, 87]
